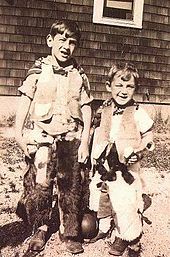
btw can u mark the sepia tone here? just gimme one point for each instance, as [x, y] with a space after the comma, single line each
[24, 25]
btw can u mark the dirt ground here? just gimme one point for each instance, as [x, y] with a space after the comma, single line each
[14, 236]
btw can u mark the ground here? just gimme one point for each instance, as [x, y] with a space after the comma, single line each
[14, 236]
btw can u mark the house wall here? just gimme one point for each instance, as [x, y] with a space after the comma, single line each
[25, 24]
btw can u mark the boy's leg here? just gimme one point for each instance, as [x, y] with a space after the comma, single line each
[100, 203]
[38, 187]
[95, 192]
[126, 201]
[104, 228]
[104, 224]
[70, 193]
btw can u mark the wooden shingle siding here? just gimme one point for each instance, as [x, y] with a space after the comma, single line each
[25, 24]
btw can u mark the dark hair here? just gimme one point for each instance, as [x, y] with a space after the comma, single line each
[59, 26]
[126, 70]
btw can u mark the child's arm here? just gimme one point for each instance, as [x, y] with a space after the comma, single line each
[21, 115]
[145, 124]
[147, 141]
[83, 151]
[147, 144]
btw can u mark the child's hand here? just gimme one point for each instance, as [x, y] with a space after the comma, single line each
[83, 153]
[22, 144]
[132, 159]
[131, 156]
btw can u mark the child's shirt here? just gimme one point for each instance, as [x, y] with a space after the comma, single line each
[57, 95]
[142, 120]
[129, 129]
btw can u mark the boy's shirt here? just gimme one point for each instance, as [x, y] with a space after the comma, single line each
[127, 128]
[57, 95]
[142, 119]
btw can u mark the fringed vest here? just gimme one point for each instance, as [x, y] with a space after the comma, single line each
[128, 134]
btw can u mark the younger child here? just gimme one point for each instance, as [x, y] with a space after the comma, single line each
[123, 134]
[56, 97]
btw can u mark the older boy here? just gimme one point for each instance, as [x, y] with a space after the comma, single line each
[124, 133]
[56, 96]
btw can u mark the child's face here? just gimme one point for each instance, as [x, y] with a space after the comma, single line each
[62, 46]
[122, 91]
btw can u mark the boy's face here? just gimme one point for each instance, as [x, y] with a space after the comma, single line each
[122, 90]
[62, 46]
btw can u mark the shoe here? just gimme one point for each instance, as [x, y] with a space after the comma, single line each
[135, 248]
[100, 235]
[38, 241]
[118, 247]
[134, 253]
[147, 200]
[74, 247]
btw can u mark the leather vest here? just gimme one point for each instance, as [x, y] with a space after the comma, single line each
[44, 101]
[128, 135]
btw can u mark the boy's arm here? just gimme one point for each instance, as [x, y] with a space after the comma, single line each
[147, 144]
[83, 152]
[21, 115]
[145, 124]
[147, 141]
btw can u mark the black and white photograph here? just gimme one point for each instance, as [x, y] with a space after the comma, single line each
[84, 128]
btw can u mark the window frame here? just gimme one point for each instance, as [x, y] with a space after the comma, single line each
[135, 23]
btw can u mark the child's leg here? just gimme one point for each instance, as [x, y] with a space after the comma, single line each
[104, 228]
[105, 210]
[37, 197]
[105, 224]
[95, 192]
[100, 203]
[126, 201]
[69, 186]
[70, 194]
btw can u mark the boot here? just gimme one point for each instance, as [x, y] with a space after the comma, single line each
[74, 247]
[38, 241]
[118, 247]
[100, 235]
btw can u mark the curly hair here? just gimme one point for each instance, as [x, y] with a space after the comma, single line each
[126, 71]
[59, 26]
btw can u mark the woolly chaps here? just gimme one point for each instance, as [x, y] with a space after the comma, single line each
[35, 205]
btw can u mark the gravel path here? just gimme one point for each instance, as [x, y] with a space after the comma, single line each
[14, 237]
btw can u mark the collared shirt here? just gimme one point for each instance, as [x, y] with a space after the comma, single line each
[61, 120]
[141, 117]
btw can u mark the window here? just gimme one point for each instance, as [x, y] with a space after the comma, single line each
[127, 13]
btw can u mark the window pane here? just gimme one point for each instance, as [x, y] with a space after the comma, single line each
[120, 9]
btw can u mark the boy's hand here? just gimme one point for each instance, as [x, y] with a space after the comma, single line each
[131, 156]
[83, 153]
[22, 144]
[134, 157]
